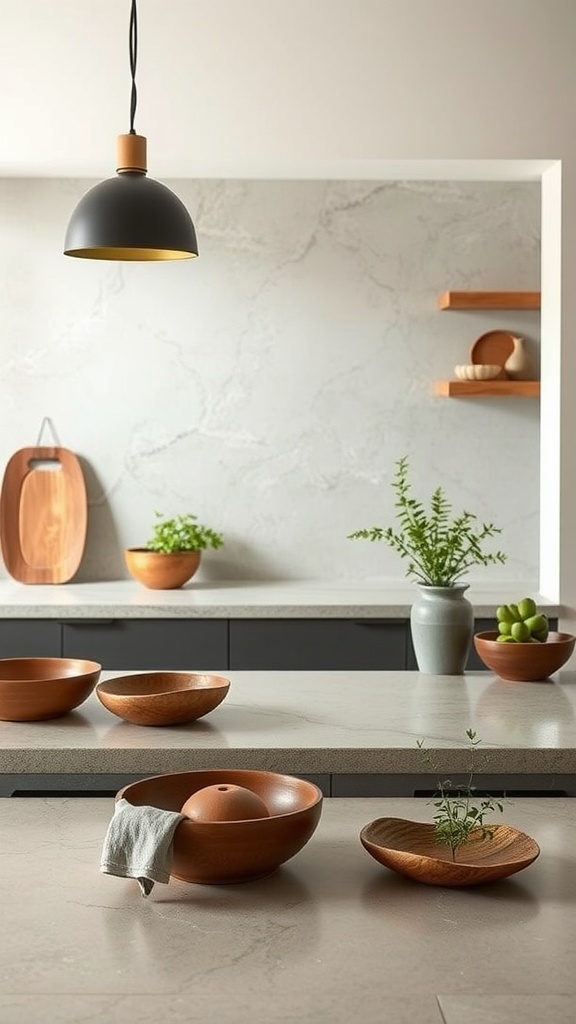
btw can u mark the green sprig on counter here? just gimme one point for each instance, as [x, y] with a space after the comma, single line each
[458, 817]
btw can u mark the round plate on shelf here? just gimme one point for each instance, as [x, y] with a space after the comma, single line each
[493, 347]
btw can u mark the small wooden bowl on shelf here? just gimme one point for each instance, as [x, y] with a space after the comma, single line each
[162, 698]
[410, 848]
[526, 663]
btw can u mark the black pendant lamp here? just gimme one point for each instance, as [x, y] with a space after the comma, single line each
[131, 217]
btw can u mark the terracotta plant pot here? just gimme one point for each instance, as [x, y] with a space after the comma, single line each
[160, 571]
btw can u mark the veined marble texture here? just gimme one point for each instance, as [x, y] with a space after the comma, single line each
[329, 938]
[327, 722]
[270, 386]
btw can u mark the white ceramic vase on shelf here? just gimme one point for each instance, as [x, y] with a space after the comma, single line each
[442, 625]
[517, 365]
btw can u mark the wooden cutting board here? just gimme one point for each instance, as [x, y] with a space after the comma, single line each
[43, 515]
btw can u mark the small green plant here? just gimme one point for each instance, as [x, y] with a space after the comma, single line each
[182, 533]
[458, 817]
[440, 549]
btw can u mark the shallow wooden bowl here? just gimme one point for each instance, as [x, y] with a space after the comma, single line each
[524, 662]
[35, 689]
[410, 848]
[162, 698]
[216, 852]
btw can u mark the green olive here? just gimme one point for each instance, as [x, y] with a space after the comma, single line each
[520, 632]
[526, 607]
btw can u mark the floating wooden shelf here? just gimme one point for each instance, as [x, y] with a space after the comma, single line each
[487, 388]
[489, 300]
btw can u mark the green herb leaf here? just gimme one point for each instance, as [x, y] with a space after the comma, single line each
[439, 547]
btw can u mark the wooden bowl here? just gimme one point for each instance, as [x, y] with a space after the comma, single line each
[159, 571]
[215, 852]
[35, 689]
[524, 662]
[162, 698]
[410, 848]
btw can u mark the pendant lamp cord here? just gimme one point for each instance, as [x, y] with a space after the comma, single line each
[133, 38]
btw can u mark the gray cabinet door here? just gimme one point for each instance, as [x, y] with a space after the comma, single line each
[322, 644]
[149, 643]
[30, 638]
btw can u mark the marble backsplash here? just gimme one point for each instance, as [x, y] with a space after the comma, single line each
[270, 386]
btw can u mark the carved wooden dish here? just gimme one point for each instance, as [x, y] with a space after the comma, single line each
[162, 698]
[410, 848]
[34, 689]
[216, 852]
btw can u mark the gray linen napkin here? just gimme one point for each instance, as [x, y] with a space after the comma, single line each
[138, 844]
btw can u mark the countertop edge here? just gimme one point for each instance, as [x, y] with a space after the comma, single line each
[297, 761]
[124, 599]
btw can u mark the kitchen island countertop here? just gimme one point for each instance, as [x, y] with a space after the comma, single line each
[330, 938]
[321, 722]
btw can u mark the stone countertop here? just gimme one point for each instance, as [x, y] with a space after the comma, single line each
[292, 599]
[330, 938]
[316, 722]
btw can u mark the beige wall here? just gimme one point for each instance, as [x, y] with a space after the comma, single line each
[286, 85]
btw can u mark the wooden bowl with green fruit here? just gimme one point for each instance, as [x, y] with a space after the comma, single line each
[522, 648]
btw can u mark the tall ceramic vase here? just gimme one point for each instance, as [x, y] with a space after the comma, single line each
[442, 624]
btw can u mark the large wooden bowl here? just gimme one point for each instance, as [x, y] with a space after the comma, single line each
[524, 662]
[215, 852]
[35, 689]
[410, 848]
[162, 698]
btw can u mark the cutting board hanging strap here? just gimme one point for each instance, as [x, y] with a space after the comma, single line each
[48, 425]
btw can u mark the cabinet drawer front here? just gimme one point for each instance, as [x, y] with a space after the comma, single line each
[149, 644]
[30, 638]
[322, 644]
